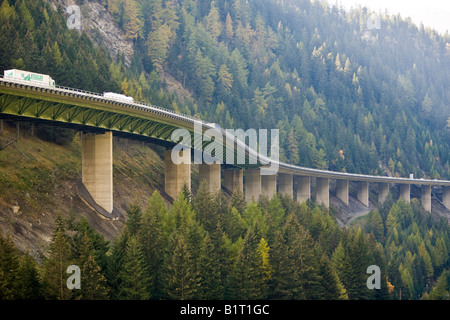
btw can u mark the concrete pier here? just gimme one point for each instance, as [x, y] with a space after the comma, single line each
[446, 197]
[425, 197]
[211, 175]
[303, 186]
[342, 190]
[269, 185]
[286, 184]
[323, 191]
[177, 175]
[97, 167]
[252, 184]
[383, 192]
[405, 192]
[233, 179]
[362, 192]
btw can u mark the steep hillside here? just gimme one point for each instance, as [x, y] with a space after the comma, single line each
[39, 180]
[343, 96]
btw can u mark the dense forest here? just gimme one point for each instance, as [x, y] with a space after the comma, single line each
[207, 247]
[343, 96]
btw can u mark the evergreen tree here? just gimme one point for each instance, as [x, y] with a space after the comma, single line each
[115, 263]
[93, 283]
[210, 282]
[181, 279]
[247, 276]
[9, 267]
[153, 242]
[134, 273]
[54, 276]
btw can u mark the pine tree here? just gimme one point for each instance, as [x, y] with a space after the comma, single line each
[203, 205]
[153, 241]
[181, 280]
[54, 275]
[28, 282]
[229, 26]
[134, 220]
[440, 291]
[210, 282]
[134, 273]
[115, 265]
[93, 283]
[375, 225]
[212, 22]
[427, 260]
[9, 268]
[238, 201]
[225, 78]
[247, 276]
[332, 287]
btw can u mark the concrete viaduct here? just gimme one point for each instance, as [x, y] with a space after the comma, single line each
[99, 118]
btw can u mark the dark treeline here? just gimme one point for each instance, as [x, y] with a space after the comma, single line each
[213, 248]
[344, 97]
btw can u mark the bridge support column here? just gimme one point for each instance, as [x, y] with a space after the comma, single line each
[363, 192]
[405, 192]
[425, 197]
[286, 184]
[211, 175]
[323, 191]
[252, 184]
[269, 185]
[446, 197]
[233, 179]
[97, 167]
[303, 185]
[342, 190]
[177, 175]
[1, 126]
[383, 191]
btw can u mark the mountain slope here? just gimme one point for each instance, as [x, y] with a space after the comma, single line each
[344, 97]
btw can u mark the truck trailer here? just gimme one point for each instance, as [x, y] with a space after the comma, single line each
[118, 97]
[27, 76]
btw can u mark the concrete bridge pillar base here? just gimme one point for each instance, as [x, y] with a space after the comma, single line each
[211, 175]
[286, 184]
[97, 167]
[363, 192]
[177, 175]
[342, 190]
[269, 185]
[303, 185]
[233, 179]
[425, 197]
[252, 184]
[383, 192]
[323, 191]
[405, 192]
[446, 197]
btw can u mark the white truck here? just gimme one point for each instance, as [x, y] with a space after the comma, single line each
[27, 76]
[118, 96]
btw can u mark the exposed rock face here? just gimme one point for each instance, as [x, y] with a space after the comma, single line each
[99, 25]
